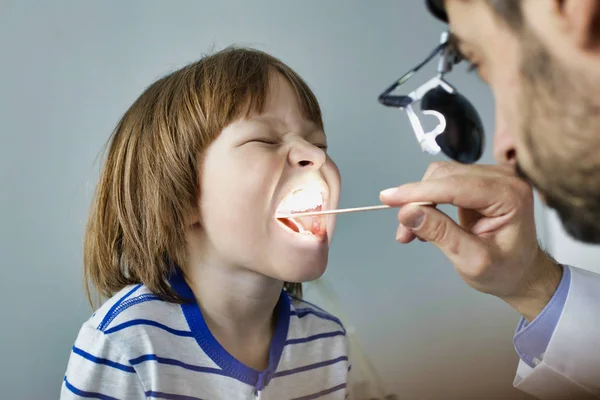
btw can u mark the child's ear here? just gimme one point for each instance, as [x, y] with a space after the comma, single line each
[194, 220]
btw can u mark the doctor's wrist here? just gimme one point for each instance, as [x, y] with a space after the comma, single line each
[537, 288]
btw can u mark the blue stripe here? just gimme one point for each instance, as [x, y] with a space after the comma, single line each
[103, 324]
[125, 305]
[171, 361]
[315, 337]
[303, 312]
[298, 299]
[103, 361]
[322, 393]
[88, 395]
[170, 396]
[134, 322]
[309, 367]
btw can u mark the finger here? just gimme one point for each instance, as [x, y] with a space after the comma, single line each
[440, 169]
[436, 227]
[404, 235]
[468, 218]
[443, 169]
[487, 195]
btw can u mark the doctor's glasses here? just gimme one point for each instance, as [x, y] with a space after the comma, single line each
[459, 133]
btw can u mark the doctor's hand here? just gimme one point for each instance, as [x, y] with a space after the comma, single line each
[493, 246]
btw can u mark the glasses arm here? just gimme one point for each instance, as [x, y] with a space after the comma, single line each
[402, 101]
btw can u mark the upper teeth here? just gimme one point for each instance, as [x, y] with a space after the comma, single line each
[301, 200]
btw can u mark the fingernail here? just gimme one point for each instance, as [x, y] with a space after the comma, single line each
[387, 192]
[414, 220]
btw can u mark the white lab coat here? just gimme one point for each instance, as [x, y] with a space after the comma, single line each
[570, 368]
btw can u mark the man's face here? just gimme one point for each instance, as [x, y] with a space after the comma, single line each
[545, 84]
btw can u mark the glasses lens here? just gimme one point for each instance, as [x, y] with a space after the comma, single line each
[463, 138]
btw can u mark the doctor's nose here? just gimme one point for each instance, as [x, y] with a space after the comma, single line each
[505, 151]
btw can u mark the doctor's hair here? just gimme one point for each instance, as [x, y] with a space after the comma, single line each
[149, 185]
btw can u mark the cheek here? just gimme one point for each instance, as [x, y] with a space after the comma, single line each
[235, 200]
[332, 176]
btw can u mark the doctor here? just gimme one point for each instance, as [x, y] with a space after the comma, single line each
[541, 59]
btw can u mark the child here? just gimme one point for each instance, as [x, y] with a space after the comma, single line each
[205, 280]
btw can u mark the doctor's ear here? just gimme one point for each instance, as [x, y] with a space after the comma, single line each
[580, 21]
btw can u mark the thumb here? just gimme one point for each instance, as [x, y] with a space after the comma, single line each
[428, 223]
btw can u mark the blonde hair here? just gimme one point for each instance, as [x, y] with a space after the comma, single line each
[150, 182]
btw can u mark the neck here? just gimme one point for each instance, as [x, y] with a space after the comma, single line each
[238, 306]
[235, 300]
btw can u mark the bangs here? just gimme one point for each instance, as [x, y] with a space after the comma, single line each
[236, 85]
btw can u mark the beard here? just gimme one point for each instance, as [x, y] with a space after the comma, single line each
[561, 127]
[575, 224]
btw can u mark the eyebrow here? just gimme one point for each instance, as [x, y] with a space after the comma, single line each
[273, 121]
[264, 118]
[312, 126]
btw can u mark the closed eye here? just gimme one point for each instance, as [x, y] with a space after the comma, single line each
[273, 142]
[266, 141]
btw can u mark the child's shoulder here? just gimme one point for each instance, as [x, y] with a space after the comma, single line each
[310, 314]
[131, 306]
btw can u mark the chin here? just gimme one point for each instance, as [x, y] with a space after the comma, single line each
[299, 271]
[577, 223]
[580, 229]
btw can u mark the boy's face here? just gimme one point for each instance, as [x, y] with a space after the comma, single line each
[249, 172]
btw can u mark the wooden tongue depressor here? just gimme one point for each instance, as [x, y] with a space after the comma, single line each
[346, 210]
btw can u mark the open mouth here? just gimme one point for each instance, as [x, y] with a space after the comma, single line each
[300, 201]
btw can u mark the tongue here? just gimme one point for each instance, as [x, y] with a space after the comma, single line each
[309, 223]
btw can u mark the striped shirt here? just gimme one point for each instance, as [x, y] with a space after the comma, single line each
[137, 346]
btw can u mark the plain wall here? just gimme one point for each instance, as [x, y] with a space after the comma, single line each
[70, 69]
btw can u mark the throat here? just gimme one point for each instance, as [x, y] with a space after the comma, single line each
[242, 318]
[246, 337]
[250, 347]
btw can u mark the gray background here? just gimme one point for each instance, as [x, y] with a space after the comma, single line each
[70, 69]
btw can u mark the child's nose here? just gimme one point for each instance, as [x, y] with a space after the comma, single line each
[304, 154]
